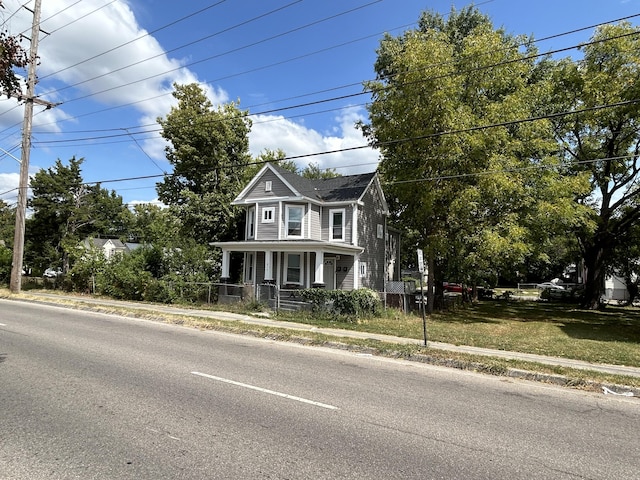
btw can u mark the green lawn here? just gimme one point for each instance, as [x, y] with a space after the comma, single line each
[609, 336]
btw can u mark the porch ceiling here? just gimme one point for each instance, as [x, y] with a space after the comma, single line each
[289, 246]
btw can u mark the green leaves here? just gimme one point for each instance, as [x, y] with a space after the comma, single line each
[209, 150]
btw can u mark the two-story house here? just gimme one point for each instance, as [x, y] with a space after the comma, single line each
[302, 233]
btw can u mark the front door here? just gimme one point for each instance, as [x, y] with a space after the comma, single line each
[329, 273]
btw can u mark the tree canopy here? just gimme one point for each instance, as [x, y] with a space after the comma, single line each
[209, 151]
[600, 139]
[66, 210]
[480, 186]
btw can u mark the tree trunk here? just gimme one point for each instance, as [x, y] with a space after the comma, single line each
[594, 278]
[632, 288]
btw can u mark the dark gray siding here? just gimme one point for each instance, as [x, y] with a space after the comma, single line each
[371, 215]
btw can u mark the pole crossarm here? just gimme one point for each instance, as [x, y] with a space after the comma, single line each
[37, 101]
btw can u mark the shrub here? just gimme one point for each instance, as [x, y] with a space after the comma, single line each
[346, 303]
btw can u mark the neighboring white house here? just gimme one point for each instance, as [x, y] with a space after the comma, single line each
[109, 246]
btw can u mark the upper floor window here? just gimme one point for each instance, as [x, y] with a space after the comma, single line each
[295, 214]
[336, 224]
[267, 186]
[251, 223]
[268, 214]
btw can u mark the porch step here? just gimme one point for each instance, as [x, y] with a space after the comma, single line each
[294, 305]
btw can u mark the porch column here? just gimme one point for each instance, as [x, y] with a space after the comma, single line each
[268, 266]
[318, 279]
[226, 256]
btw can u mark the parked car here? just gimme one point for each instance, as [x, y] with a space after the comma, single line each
[453, 287]
[52, 272]
[550, 285]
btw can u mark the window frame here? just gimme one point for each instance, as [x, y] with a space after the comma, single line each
[332, 225]
[300, 268]
[289, 208]
[271, 218]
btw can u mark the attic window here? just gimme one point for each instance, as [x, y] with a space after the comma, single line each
[267, 186]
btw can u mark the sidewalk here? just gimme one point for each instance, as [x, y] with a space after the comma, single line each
[265, 321]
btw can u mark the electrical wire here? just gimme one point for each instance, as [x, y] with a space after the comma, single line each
[447, 75]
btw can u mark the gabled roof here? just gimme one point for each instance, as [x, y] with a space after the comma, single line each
[338, 189]
[101, 242]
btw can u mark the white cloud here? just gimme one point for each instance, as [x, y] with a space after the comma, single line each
[9, 187]
[76, 71]
[274, 132]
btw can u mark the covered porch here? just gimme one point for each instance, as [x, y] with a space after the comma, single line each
[293, 265]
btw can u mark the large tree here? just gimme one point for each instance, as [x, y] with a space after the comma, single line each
[209, 151]
[65, 211]
[479, 188]
[602, 140]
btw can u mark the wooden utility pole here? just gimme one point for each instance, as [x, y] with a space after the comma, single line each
[18, 239]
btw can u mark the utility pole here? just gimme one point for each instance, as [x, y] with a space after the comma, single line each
[18, 239]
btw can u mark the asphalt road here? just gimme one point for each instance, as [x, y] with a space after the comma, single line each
[93, 396]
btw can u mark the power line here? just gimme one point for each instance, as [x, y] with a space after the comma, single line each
[215, 4]
[456, 73]
[358, 84]
[264, 40]
[369, 91]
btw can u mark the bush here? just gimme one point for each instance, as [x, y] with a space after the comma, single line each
[342, 302]
[159, 292]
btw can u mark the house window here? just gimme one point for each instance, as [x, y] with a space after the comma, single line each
[336, 224]
[251, 223]
[295, 215]
[363, 269]
[380, 231]
[293, 268]
[268, 214]
[267, 186]
[248, 270]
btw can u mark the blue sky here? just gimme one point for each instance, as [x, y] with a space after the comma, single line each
[111, 65]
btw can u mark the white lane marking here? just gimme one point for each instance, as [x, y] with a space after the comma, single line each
[264, 390]
[3, 324]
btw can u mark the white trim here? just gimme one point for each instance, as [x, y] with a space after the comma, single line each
[272, 217]
[319, 270]
[356, 270]
[268, 265]
[354, 225]
[342, 211]
[288, 208]
[290, 246]
[251, 212]
[280, 220]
